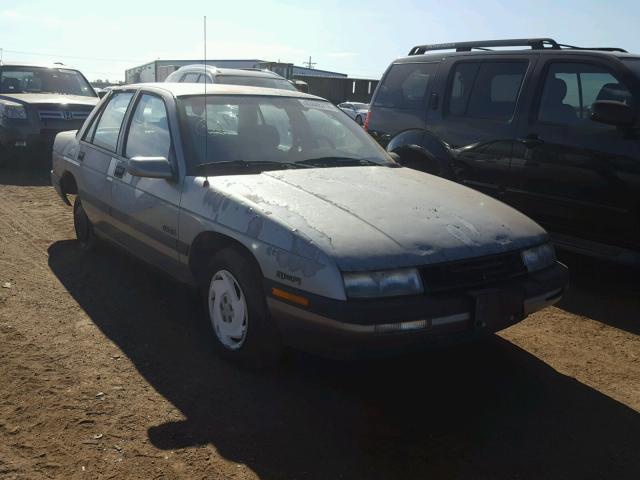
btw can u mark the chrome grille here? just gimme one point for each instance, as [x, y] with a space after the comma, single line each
[63, 115]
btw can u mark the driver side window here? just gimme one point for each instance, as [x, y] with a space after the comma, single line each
[149, 134]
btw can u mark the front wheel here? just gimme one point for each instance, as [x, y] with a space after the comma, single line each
[359, 120]
[83, 227]
[235, 305]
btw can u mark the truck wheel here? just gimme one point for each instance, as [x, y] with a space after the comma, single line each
[235, 306]
[83, 227]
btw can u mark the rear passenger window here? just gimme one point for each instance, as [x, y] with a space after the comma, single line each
[486, 90]
[107, 129]
[149, 130]
[406, 85]
[190, 78]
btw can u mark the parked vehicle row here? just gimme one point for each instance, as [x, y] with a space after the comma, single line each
[550, 129]
[38, 101]
[298, 228]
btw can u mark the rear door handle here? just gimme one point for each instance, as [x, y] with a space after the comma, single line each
[531, 141]
[119, 171]
[81, 155]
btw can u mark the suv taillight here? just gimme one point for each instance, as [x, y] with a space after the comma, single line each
[366, 121]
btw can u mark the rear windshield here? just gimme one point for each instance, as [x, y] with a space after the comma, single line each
[405, 86]
[286, 130]
[251, 81]
[44, 80]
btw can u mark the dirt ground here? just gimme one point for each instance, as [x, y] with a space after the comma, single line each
[106, 372]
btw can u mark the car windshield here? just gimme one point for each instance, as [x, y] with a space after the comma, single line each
[273, 132]
[44, 80]
[252, 81]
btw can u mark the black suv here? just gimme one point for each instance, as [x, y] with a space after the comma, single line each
[551, 129]
[36, 103]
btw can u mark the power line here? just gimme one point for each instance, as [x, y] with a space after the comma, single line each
[20, 52]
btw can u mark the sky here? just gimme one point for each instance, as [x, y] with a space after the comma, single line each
[102, 39]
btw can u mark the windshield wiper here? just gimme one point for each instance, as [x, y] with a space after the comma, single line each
[246, 164]
[330, 161]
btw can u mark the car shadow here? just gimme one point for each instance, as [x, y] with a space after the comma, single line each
[25, 177]
[489, 410]
[604, 291]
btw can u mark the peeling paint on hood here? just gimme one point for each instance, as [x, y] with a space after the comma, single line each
[372, 218]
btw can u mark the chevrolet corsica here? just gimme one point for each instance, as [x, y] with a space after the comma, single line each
[297, 227]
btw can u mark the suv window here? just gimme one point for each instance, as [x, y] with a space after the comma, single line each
[406, 85]
[109, 124]
[190, 78]
[485, 90]
[570, 89]
[149, 130]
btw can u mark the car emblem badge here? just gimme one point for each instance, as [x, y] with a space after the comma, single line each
[67, 115]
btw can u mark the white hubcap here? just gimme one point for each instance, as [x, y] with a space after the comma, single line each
[228, 310]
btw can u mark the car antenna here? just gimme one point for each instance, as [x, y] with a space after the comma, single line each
[206, 117]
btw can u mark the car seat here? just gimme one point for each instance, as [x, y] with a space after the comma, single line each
[553, 107]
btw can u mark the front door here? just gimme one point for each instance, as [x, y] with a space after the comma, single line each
[146, 209]
[576, 176]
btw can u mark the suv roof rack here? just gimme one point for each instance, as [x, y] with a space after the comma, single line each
[534, 43]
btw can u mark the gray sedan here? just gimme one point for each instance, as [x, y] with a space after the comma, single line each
[296, 226]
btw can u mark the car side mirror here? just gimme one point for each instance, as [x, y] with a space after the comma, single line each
[613, 113]
[150, 167]
[395, 157]
[102, 93]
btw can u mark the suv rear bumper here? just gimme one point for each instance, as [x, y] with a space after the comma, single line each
[394, 325]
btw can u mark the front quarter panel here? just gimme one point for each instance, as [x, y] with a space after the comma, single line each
[284, 254]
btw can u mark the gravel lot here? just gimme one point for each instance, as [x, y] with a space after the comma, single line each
[106, 372]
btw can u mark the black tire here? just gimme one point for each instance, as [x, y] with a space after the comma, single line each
[83, 227]
[260, 348]
[359, 120]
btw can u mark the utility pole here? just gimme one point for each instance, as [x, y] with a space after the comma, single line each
[309, 64]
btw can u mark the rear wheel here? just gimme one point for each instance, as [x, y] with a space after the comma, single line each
[83, 227]
[235, 305]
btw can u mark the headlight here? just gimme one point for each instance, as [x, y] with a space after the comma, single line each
[12, 110]
[539, 257]
[389, 283]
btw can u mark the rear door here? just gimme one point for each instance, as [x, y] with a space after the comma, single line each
[400, 101]
[478, 117]
[146, 209]
[98, 147]
[574, 175]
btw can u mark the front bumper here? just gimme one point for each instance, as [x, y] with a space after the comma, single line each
[394, 325]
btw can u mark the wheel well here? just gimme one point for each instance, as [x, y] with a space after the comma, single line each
[68, 184]
[205, 245]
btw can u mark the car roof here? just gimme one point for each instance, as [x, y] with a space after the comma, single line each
[240, 72]
[37, 65]
[187, 89]
[438, 55]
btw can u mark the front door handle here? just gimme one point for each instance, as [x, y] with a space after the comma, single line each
[119, 171]
[531, 141]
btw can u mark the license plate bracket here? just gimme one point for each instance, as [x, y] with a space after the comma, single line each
[497, 308]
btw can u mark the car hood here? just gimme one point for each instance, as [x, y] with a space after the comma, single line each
[49, 98]
[373, 218]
